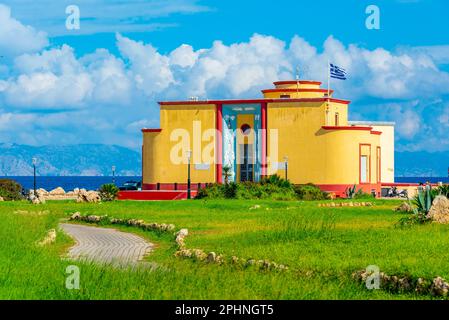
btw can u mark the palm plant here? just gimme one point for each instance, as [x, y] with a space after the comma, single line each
[227, 173]
[423, 200]
[351, 192]
[108, 192]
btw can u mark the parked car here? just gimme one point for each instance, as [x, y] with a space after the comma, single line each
[131, 185]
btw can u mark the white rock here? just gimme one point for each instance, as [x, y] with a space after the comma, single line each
[183, 233]
[57, 192]
[439, 212]
[50, 238]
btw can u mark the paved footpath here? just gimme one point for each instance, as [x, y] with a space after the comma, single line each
[106, 246]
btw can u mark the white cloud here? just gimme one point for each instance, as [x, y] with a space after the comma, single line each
[112, 84]
[51, 79]
[408, 124]
[151, 70]
[16, 38]
[183, 56]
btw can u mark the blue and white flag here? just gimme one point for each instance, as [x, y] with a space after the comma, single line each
[336, 72]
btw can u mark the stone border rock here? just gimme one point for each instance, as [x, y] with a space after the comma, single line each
[437, 287]
[49, 238]
[346, 204]
[212, 257]
[128, 222]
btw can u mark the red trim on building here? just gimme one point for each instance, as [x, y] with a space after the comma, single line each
[243, 101]
[376, 132]
[219, 144]
[151, 130]
[346, 128]
[339, 190]
[379, 163]
[154, 195]
[143, 160]
[296, 81]
[295, 90]
[263, 113]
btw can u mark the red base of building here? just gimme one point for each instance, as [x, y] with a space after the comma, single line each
[175, 191]
[154, 195]
[339, 190]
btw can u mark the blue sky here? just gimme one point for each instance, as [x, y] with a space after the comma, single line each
[100, 84]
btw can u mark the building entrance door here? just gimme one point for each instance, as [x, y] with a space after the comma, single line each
[246, 162]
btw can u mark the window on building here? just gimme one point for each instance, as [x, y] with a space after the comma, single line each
[363, 169]
[285, 96]
[337, 119]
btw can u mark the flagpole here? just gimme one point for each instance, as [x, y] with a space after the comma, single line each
[328, 80]
[328, 89]
[297, 82]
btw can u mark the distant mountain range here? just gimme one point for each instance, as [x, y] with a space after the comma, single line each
[74, 160]
[97, 160]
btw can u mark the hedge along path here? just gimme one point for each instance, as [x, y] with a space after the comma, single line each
[107, 246]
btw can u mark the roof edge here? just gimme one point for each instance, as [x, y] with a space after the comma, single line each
[372, 123]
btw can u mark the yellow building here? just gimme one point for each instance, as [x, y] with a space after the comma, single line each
[297, 129]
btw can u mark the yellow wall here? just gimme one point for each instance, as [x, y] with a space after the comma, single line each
[293, 94]
[158, 149]
[314, 154]
[342, 111]
[295, 85]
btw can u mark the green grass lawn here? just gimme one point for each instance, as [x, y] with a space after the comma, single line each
[321, 246]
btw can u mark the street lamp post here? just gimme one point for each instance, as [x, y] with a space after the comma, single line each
[286, 167]
[34, 176]
[189, 155]
[113, 174]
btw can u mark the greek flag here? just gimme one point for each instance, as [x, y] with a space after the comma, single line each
[336, 72]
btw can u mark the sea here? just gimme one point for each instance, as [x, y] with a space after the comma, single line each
[69, 183]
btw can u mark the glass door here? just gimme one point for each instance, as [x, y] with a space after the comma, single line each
[246, 162]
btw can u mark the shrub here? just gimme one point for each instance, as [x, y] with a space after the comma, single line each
[276, 181]
[416, 218]
[423, 202]
[10, 190]
[310, 192]
[274, 189]
[108, 192]
[363, 195]
[353, 193]
[212, 191]
[443, 190]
